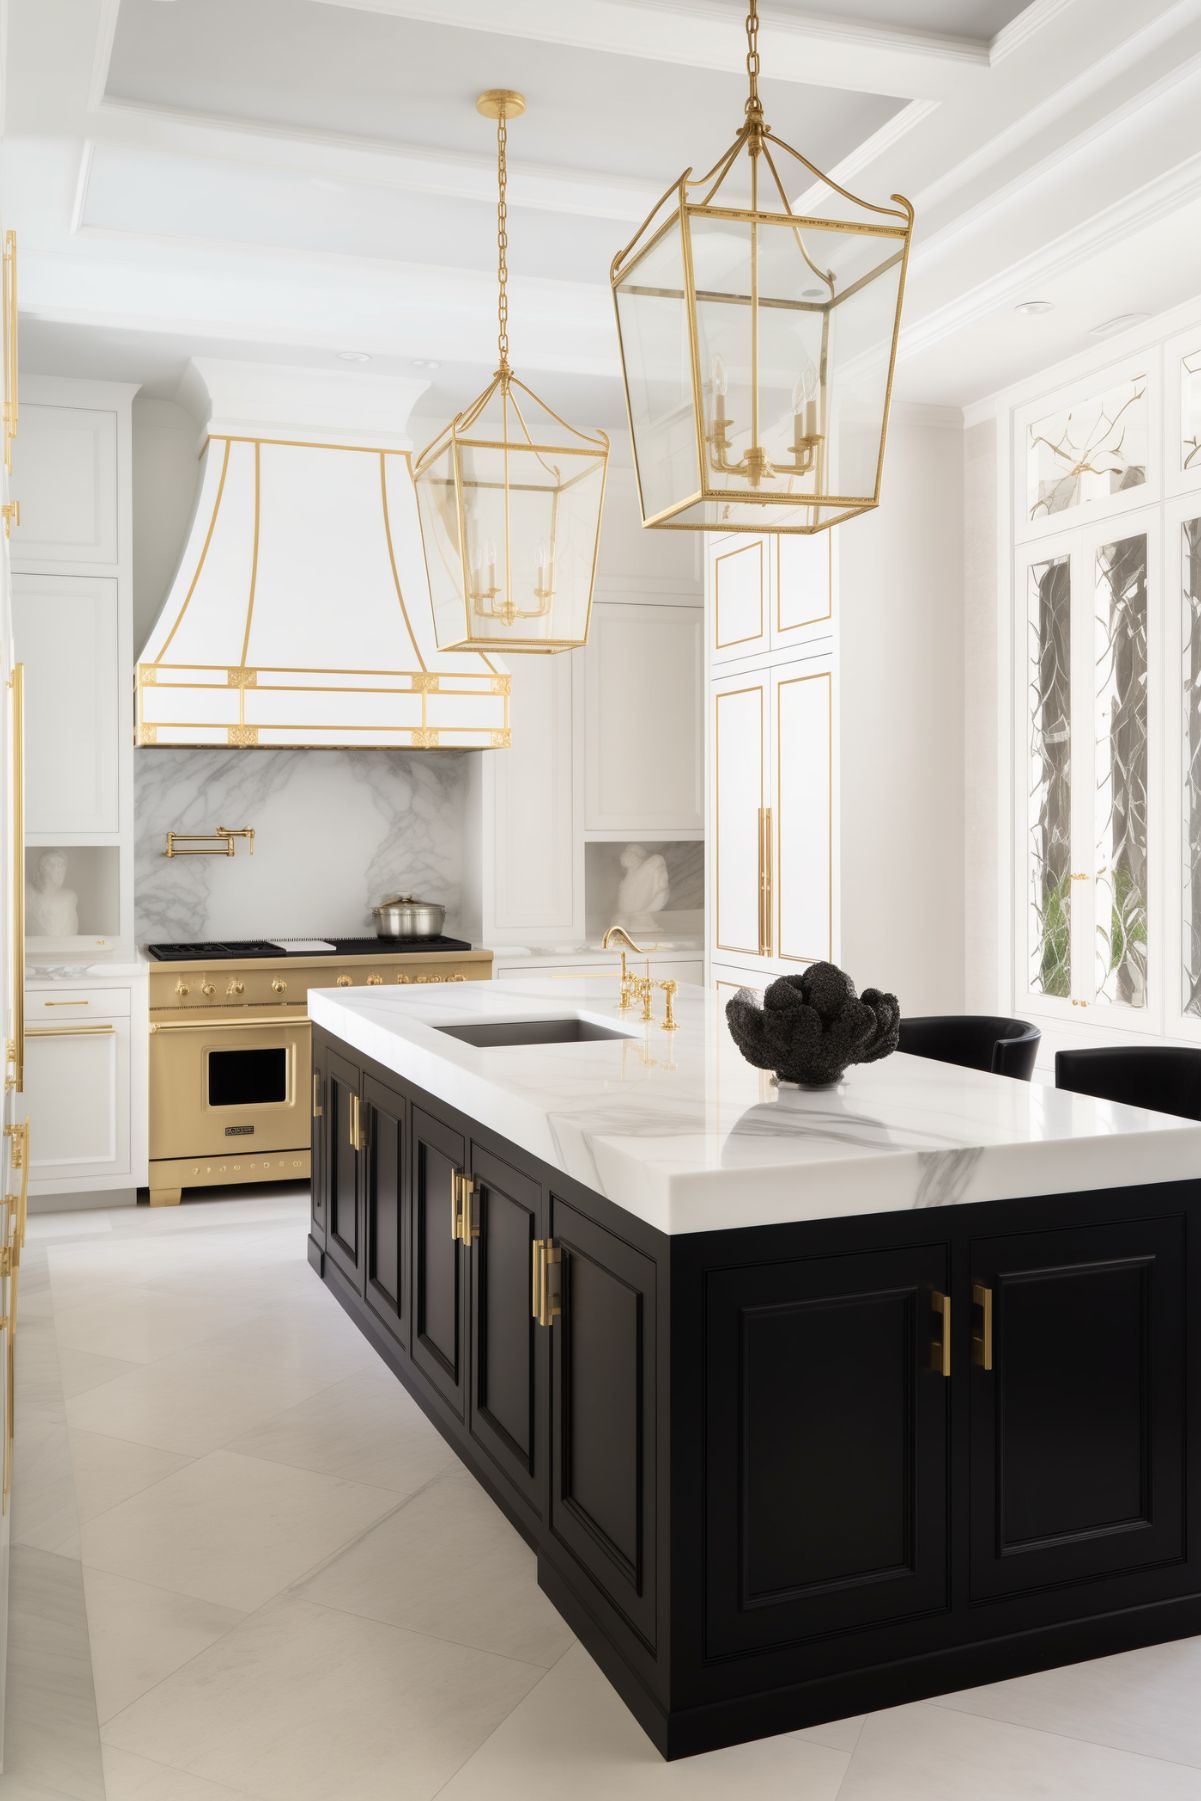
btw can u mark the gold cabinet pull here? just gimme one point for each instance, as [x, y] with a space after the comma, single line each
[768, 884]
[463, 1228]
[982, 1338]
[15, 1048]
[546, 1291]
[201, 1023]
[69, 1031]
[318, 1110]
[940, 1348]
[356, 1124]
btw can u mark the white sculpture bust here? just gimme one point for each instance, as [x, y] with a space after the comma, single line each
[644, 889]
[52, 909]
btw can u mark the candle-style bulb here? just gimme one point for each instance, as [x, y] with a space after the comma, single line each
[804, 388]
[719, 378]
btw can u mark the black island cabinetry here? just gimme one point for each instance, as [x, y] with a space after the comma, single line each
[781, 1474]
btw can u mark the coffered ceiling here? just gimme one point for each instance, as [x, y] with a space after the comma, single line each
[299, 179]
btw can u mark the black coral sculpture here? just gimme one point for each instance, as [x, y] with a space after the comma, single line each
[812, 1027]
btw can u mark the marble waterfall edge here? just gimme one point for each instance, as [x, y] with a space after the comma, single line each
[335, 832]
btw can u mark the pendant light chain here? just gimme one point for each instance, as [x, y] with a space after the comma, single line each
[502, 242]
[754, 106]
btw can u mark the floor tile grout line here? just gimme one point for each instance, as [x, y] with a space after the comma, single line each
[438, 1638]
[159, 1588]
[1071, 1738]
[459, 1768]
[176, 1769]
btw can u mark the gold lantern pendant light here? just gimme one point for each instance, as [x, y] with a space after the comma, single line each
[510, 496]
[758, 337]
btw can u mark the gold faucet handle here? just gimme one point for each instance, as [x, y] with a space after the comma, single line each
[644, 989]
[670, 988]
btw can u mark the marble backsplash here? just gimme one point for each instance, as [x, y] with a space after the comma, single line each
[335, 831]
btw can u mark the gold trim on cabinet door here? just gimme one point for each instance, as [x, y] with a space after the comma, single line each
[726, 556]
[8, 303]
[731, 694]
[821, 675]
[16, 1044]
[817, 618]
[80, 1031]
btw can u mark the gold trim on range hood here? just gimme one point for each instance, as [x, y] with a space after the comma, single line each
[300, 614]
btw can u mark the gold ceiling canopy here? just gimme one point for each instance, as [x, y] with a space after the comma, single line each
[758, 310]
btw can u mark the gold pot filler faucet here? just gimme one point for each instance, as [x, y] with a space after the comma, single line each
[640, 987]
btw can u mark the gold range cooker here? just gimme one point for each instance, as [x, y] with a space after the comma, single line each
[230, 1054]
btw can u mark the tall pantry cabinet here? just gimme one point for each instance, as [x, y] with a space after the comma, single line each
[771, 757]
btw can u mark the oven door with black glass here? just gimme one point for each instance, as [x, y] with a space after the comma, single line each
[228, 1082]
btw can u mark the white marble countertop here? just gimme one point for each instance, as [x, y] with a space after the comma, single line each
[679, 1130]
[666, 948]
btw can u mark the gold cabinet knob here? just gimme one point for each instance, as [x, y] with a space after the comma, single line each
[374, 981]
[208, 988]
[182, 990]
[404, 978]
[236, 987]
[279, 986]
[345, 981]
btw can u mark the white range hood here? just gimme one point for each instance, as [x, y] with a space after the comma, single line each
[300, 613]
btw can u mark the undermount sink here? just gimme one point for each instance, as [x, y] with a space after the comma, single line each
[531, 1031]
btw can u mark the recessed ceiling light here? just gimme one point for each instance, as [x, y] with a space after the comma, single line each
[353, 356]
[1027, 307]
[1120, 322]
[423, 362]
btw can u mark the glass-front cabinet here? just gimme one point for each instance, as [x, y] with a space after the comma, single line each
[1107, 694]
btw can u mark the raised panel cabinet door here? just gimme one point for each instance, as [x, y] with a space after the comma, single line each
[437, 1337]
[1078, 1428]
[803, 815]
[508, 1350]
[66, 480]
[383, 1170]
[738, 801]
[642, 719]
[344, 1226]
[740, 580]
[66, 633]
[603, 1375]
[826, 1475]
[77, 1088]
[803, 607]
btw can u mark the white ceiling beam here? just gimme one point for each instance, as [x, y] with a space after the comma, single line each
[326, 158]
[707, 34]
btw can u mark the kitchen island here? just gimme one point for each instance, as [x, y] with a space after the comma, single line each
[809, 1403]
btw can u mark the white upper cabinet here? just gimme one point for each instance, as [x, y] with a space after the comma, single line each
[773, 592]
[532, 815]
[738, 800]
[66, 631]
[801, 839]
[65, 477]
[1089, 451]
[642, 689]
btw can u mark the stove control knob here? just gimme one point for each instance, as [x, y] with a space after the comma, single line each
[181, 989]
[404, 978]
[374, 981]
[279, 986]
[236, 987]
[345, 981]
[208, 989]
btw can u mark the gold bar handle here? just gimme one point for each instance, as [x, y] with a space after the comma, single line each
[16, 1044]
[940, 1348]
[80, 1031]
[536, 1281]
[768, 884]
[982, 1339]
[356, 1123]
[201, 1024]
[546, 1298]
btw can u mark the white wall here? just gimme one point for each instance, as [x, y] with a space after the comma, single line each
[986, 879]
[901, 595]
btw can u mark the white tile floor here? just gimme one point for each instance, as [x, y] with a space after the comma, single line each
[294, 1594]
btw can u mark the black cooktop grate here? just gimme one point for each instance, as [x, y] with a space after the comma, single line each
[218, 950]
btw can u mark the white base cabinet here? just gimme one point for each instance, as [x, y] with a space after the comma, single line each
[85, 1084]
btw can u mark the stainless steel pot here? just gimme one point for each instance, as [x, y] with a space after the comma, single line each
[400, 916]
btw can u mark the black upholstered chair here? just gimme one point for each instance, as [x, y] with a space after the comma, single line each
[1006, 1047]
[1162, 1077]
